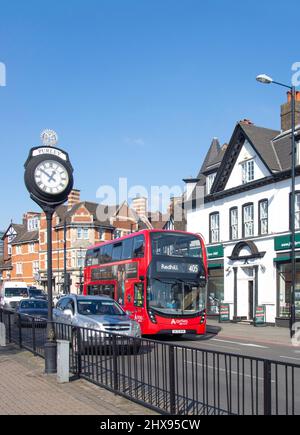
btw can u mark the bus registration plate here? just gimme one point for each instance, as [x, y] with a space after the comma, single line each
[178, 331]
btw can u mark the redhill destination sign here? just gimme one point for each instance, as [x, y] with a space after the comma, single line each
[177, 267]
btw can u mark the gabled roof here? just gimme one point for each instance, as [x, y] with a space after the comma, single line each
[96, 210]
[260, 139]
[5, 265]
[212, 160]
[19, 229]
[25, 237]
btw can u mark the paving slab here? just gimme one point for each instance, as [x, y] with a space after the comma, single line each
[26, 390]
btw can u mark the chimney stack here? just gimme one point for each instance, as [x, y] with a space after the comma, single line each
[139, 205]
[73, 198]
[286, 111]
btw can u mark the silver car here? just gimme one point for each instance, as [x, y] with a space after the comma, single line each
[96, 313]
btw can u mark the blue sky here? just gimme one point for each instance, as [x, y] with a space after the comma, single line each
[135, 88]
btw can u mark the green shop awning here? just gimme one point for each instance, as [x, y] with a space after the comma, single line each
[215, 265]
[285, 258]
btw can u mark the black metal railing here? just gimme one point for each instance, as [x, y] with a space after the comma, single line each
[169, 378]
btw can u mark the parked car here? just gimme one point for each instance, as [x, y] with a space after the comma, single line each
[57, 297]
[12, 292]
[100, 313]
[36, 293]
[29, 308]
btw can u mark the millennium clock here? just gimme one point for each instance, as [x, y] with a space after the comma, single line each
[49, 180]
[48, 176]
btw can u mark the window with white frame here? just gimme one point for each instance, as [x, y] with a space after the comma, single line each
[101, 234]
[80, 258]
[248, 220]
[33, 224]
[263, 216]
[18, 250]
[209, 182]
[35, 266]
[31, 249]
[247, 171]
[214, 227]
[79, 233]
[82, 233]
[19, 268]
[233, 219]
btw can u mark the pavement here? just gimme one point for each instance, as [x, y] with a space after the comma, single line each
[26, 390]
[239, 331]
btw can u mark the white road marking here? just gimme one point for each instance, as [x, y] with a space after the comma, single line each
[227, 371]
[219, 345]
[241, 344]
[289, 357]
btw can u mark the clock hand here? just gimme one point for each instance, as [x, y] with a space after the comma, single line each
[50, 177]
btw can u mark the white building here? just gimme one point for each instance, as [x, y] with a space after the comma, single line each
[245, 220]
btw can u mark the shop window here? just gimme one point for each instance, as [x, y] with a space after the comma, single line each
[215, 290]
[284, 283]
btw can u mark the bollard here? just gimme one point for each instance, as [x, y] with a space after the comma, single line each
[2, 335]
[63, 361]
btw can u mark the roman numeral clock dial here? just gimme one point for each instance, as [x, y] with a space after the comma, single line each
[51, 177]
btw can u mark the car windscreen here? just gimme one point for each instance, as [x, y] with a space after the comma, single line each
[33, 305]
[89, 307]
[13, 292]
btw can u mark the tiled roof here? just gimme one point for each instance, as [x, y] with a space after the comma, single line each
[95, 209]
[28, 236]
[5, 265]
[261, 138]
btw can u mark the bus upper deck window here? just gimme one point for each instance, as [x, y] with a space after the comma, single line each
[139, 247]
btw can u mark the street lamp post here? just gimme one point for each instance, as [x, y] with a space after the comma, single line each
[263, 78]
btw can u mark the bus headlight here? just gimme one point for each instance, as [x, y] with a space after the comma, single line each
[202, 317]
[152, 316]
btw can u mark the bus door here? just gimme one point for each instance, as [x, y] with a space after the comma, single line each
[138, 300]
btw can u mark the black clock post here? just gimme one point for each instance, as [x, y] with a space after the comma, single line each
[49, 180]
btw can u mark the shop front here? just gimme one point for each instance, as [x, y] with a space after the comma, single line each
[215, 287]
[282, 245]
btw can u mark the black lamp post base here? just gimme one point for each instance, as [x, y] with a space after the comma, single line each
[50, 357]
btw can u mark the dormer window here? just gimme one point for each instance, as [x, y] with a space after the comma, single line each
[209, 182]
[247, 171]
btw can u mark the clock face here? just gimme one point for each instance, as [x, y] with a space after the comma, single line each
[51, 177]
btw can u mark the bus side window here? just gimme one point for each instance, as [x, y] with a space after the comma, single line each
[95, 258]
[106, 253]
[88, 258]
[127, 249]
[117, 251]
[138, 294]
[138, 246]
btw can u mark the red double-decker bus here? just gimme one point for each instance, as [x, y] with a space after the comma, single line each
[159, 277]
